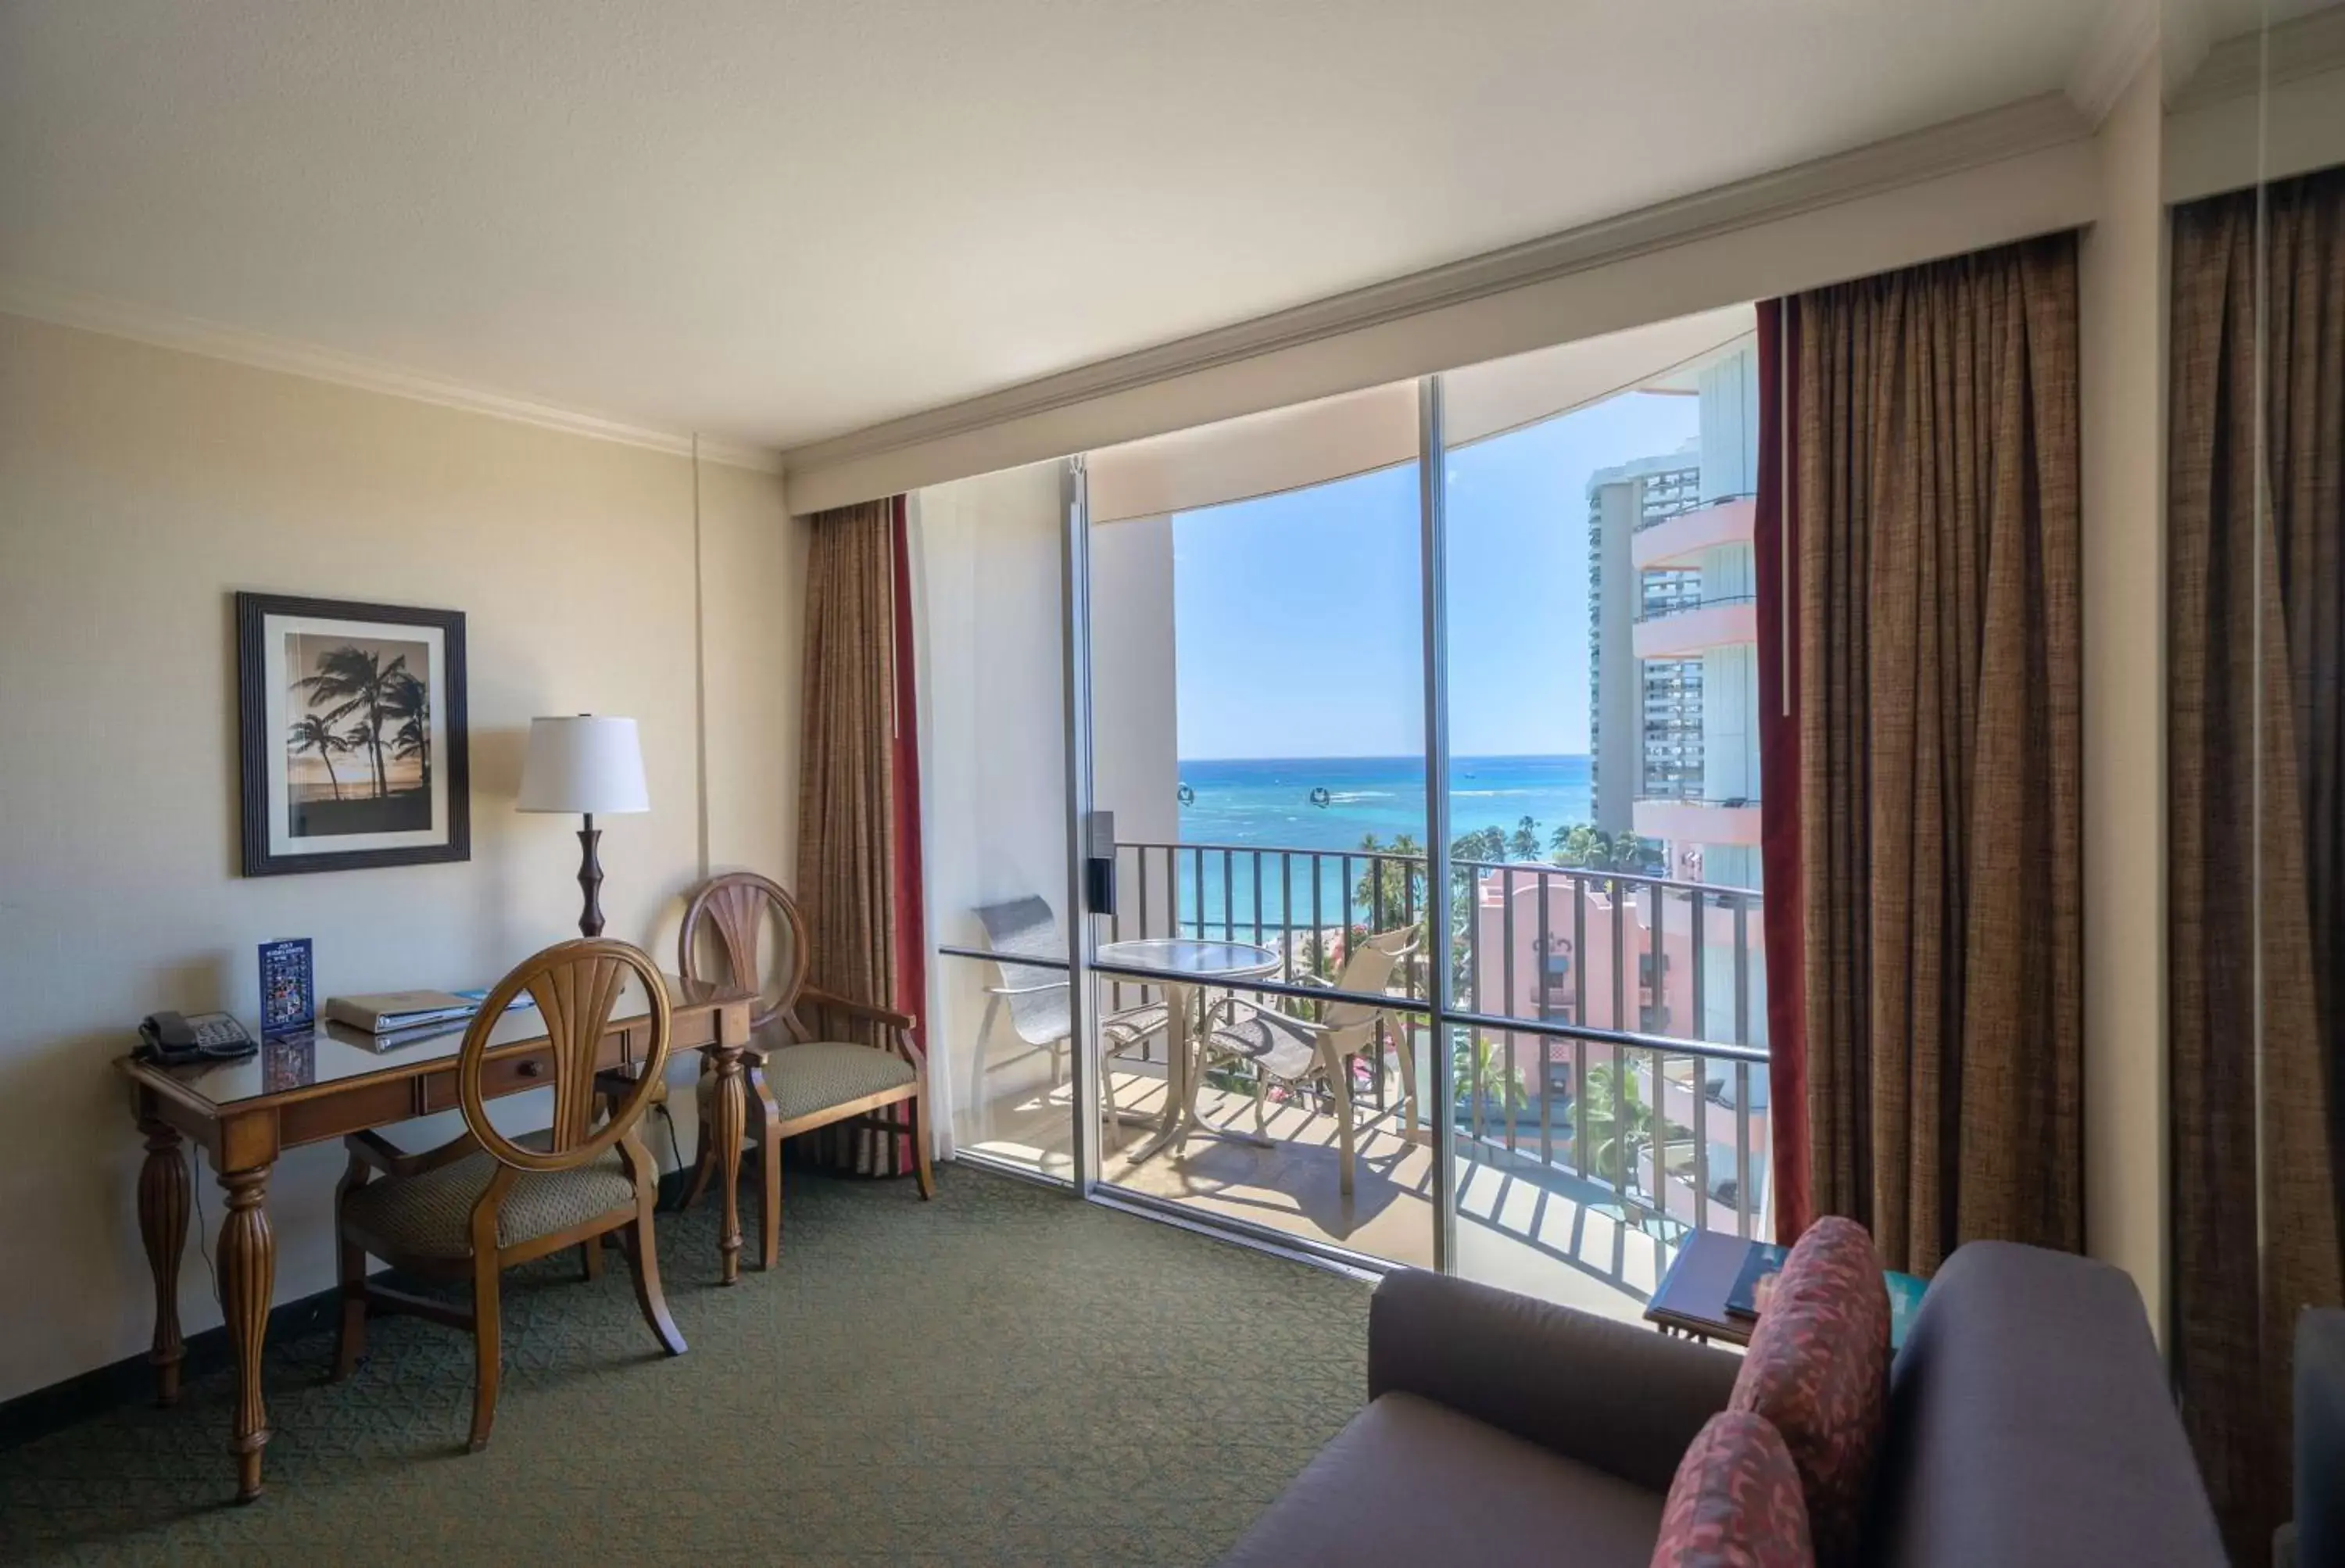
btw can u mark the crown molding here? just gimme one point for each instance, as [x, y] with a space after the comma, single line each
[160, 329]
[2031, 125]
[2123, 40]
[2236, 68]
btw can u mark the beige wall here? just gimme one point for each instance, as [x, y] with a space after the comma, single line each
[1135, 692]
[2122, 299]
[138, 488]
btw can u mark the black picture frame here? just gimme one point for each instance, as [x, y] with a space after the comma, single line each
[263, 752]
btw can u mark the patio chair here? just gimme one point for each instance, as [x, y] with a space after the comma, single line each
[1317, 1053]
[1036, 997]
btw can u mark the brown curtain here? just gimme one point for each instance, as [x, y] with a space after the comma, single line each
[846, 787]
[2255, 748]
[1934, 479]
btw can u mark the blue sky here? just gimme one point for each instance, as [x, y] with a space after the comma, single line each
[1299, 616]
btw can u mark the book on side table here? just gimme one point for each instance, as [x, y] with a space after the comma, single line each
[1717, 1288]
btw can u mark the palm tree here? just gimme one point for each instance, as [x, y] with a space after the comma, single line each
[1485, 1065]
[1479, 844]
[1581, 844]
[409, 701]
[357, 682]
[1625, 1120]
[1525, 843]
[311, 733]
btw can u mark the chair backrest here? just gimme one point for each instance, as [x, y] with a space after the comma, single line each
[737, 906]
[575, 985]
[1368, 968]
[1038, 997]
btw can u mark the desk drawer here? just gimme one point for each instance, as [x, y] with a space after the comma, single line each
[502, 1076]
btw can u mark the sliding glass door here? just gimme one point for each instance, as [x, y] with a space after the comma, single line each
[1608, 1083]
[992, 640]
[1257, 737]
[1365, 864]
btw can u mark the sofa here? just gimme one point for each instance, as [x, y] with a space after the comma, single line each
[2029, 1423]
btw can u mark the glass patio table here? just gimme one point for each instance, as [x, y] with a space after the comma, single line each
[1186, 968]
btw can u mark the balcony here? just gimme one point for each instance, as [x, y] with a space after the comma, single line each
[1693, 627]
[1681, 540]
[1625, 1105]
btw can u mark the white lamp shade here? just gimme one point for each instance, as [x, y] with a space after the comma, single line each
[584, 764]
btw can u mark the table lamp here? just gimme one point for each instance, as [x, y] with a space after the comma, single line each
[585, 764]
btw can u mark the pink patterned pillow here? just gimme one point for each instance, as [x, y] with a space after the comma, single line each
[1818, 1371]
[1735, 1502]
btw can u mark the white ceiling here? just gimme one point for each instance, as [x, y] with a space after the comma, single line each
[774, 220]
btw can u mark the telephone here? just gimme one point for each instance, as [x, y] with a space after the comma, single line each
[174, 1040]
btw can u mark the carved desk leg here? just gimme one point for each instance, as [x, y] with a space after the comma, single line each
[163, 1226]
[247, 1277]
[731, 1130]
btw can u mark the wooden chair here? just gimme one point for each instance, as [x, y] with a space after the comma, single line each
[478, 1205]
[797, 1080]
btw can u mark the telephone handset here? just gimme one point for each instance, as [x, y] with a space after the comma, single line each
[174, 1040]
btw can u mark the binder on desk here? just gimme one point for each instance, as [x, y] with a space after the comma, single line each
[392, 1011]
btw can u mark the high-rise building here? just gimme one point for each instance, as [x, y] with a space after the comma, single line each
[1673, 662]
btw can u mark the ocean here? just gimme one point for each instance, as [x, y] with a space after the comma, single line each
[1335, 802]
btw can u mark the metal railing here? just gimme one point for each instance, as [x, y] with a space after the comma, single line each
[1618, 1075]
[1663, 611]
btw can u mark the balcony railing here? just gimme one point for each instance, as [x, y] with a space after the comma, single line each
[1608, 1026]
[1663, 610]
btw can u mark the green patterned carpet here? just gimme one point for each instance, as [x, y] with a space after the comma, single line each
[1005, 1375]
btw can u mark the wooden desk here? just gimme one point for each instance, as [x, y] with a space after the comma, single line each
[317, 1086]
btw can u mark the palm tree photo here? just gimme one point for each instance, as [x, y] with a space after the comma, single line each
[409, 701]
[352, 680]
[366, 698]
[311, 733]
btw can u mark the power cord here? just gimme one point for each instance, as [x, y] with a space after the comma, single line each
[675, 1145]
[204, 1229]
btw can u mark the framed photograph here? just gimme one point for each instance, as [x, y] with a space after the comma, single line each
[352, 725]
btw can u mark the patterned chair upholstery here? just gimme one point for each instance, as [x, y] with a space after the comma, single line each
[429, 1214]
[808, 1079]
[1818, 1371]
[1736, 1501]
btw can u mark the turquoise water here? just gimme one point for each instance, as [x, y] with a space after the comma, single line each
[1269, 803]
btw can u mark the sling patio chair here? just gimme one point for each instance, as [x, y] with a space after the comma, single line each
[1316, 1053]
[1035, 996]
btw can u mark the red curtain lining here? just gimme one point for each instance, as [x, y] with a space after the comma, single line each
[908, 922]
[1775, 544]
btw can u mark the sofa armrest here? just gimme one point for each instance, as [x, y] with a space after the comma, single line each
[1623, 1399]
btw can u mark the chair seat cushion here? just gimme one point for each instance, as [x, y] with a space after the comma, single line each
[812, 1078]
[431, 1215]
[1128, 1028]
[1269, 1041]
